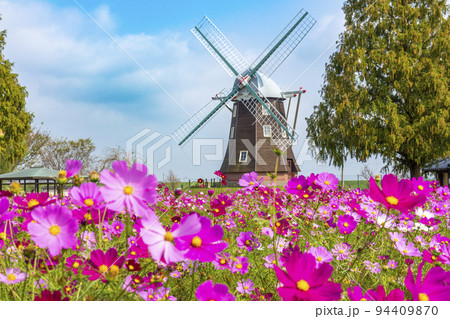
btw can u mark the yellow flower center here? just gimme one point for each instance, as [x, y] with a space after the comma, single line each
[114, 270]
[103, 269]
[420, 187]
[423, 297]
[245, 287]
[299, 187]
[54, 230]
[247, 242]
[89, 202]
[168, 236]
[345, 224]
[305, 196]
[319, 258]
[278, 224]
[239, 266]
[363, 299]
[222, 261]
[327, 183]
[434, 258]
[2, 235]
[128, 190]
[302, 285]
[405, 251]
[88, 216]
[222, 202]
[341, 251]
[251, 183]
[133, 253]
[392, 200]
[11, 277]
[196, 242]
[32, 203]
[76, 264]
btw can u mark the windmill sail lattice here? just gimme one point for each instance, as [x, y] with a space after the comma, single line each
[219, 47]
[283, 45]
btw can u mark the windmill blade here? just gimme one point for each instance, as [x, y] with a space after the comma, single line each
[283, 45]
[182, 134]
[219, 47]
[266, 113]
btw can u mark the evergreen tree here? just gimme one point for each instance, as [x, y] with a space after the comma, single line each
[385, 90]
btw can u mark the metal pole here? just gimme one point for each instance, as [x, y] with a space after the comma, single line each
[296, 111]
[289, 107]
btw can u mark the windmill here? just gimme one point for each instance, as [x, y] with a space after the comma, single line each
[259, 122]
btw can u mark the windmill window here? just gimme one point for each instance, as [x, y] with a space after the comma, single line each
[232, 132]
[267, 131]
[234, 110]
[243, 156]
[264, 110]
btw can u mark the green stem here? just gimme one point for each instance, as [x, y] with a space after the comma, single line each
[193, 281]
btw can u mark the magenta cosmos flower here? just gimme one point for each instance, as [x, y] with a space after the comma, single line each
[47, 295]
[395, 194]
[12, 276]
[88, 196]
[160, 241]
[207, 291]
[55, 228]
[129, 189]
[299, 186]
[33, 200]
[433, 287]
[103, 264]
[248, 241]
[205, 244]
[302, 281]
[73, 167]
[327, 181]
[346, 224]
[250, 180]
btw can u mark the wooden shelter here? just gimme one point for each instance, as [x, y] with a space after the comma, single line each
[442, 169]
[35, 178]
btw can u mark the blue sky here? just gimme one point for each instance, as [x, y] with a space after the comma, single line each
[81, 84]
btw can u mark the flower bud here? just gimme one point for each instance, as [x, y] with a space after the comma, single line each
[77, 180]
[2, 134]
[94, 177]
[62, 177]
[16, 188]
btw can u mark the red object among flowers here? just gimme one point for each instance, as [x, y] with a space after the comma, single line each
[103, 264]
[47, 295]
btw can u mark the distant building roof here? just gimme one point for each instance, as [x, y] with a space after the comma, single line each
[440, 165]
[32, 173]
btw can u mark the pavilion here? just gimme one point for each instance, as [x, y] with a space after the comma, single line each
[34, 177]
[442, 170]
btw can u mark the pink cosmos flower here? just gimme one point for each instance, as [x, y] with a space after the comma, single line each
[240, 265]
[341, 251]
[12, 276]
[203, 245]
[160, 242]
[219, 205]
[327, 181]
[73, 167]
[207, 291]
[346, 224]
[371, 295]
[55, 228]
[129, 189]
[392, 264]
[88, 196]
[5, 213]
[432, 288]
[321, 254]
[302, 281]
[248, 241]
[407, 249]
[117, 227]
[250, 181]
[395, 194]
[420, 186]
[33, 200]
[103, 264]
[47, 295]
[245, 287]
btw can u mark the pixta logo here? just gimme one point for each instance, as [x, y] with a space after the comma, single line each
[145, 145]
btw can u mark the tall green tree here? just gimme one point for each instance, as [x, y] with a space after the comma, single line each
[15, 121]
[385, 89]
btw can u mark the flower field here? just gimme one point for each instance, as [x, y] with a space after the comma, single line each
[123, 236]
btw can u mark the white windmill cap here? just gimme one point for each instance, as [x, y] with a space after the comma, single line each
[265, 85]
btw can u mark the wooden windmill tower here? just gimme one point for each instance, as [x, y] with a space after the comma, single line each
[259, 122]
